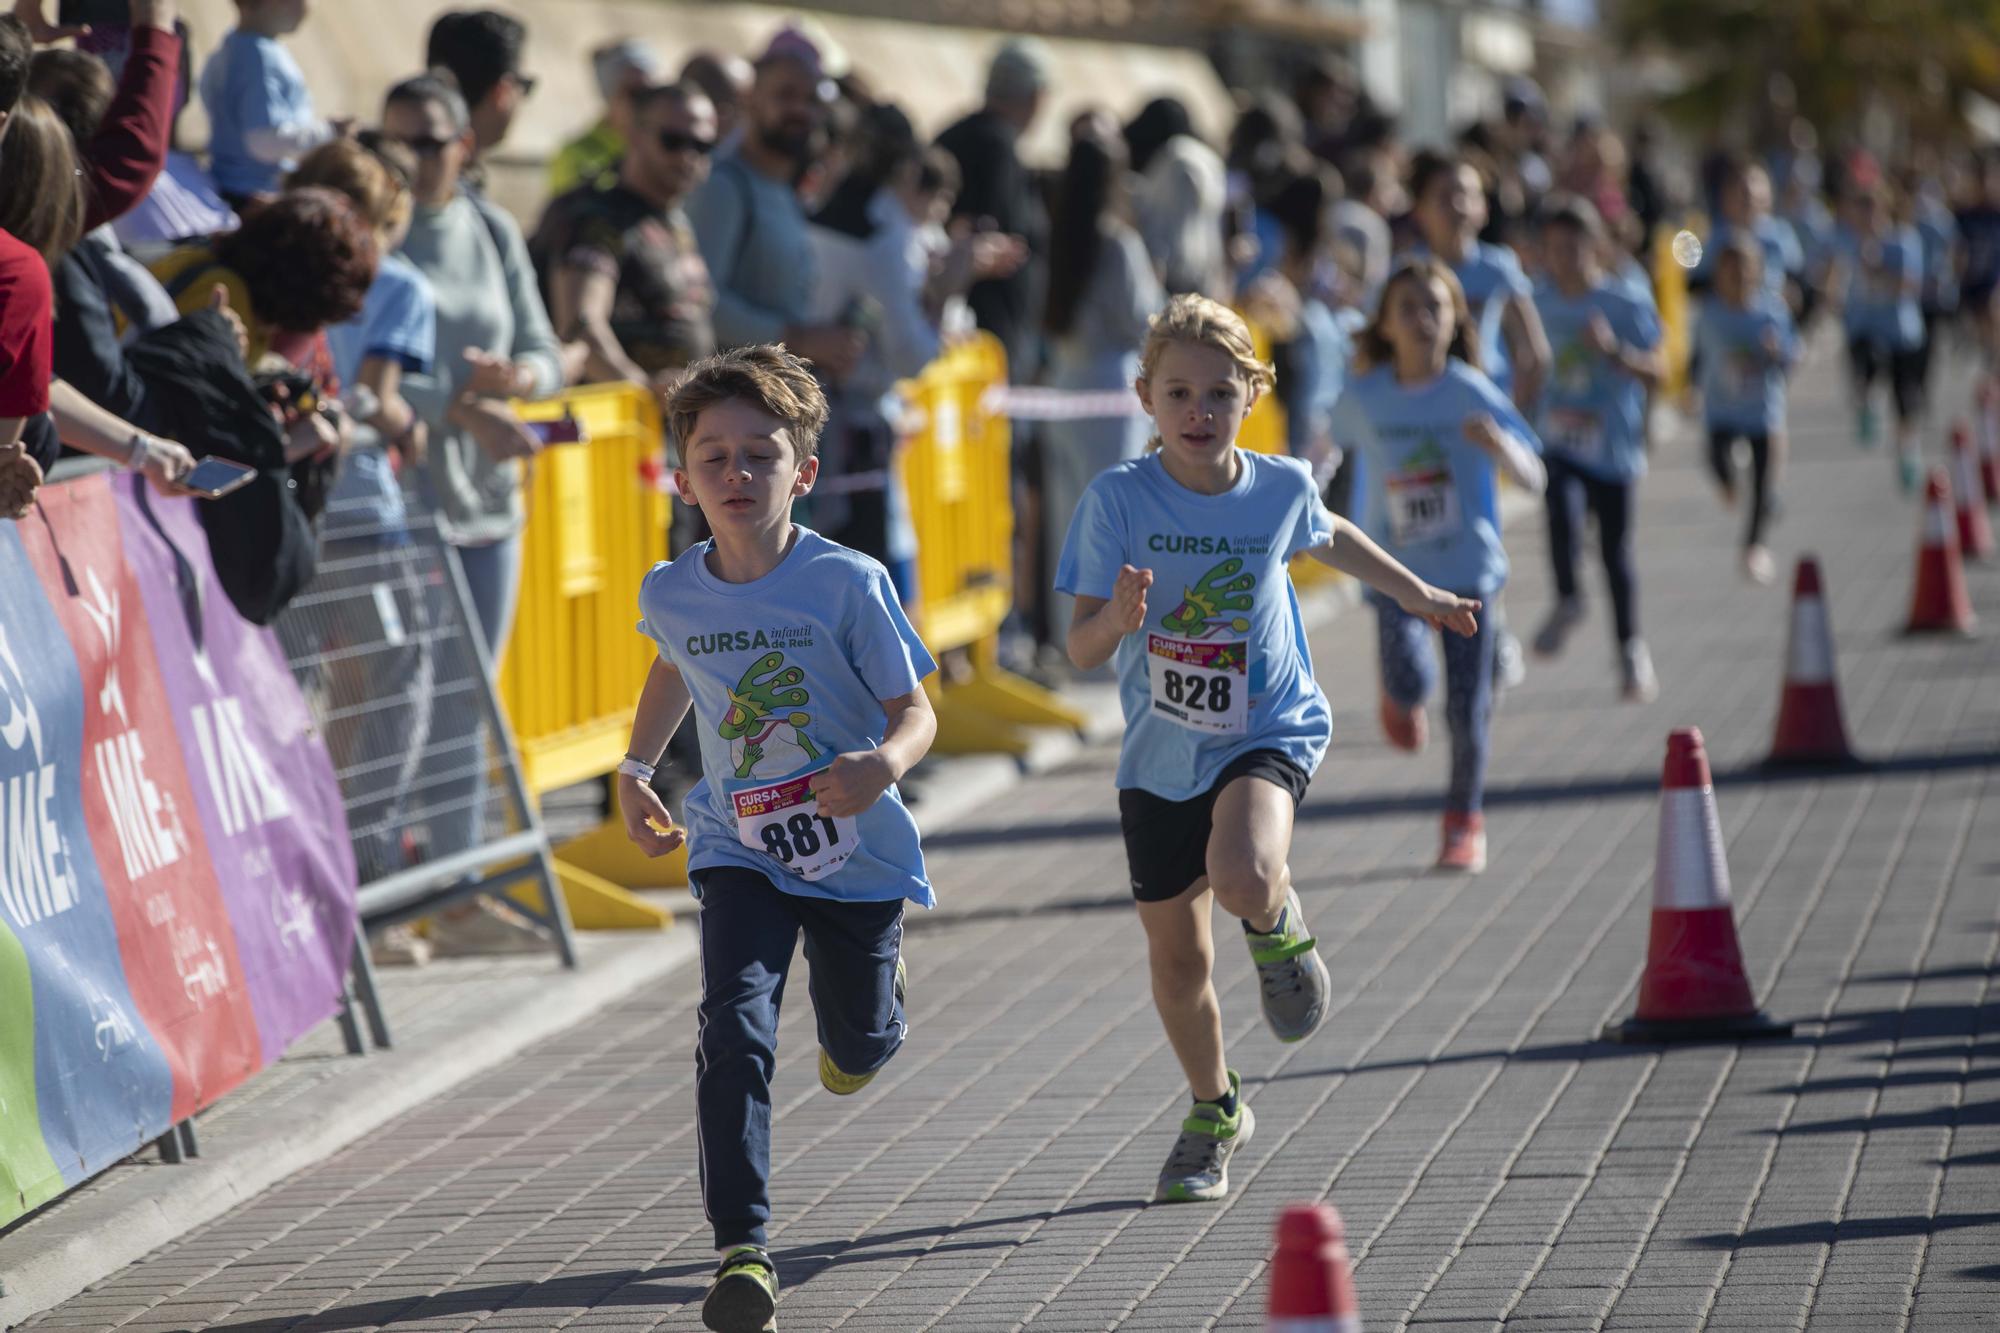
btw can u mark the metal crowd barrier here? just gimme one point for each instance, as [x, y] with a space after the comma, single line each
[400, 687]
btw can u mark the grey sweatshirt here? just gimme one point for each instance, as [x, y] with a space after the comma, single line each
[477, 263]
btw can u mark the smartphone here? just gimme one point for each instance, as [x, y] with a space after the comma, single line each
[563, 430]
[216, 477]
[97, 13]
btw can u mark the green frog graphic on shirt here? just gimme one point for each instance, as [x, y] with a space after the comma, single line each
[764, 739]
[1206, 603]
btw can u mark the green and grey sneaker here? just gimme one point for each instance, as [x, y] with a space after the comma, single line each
[1197, 1169]
[744, 1296]
[842, 1084]
[1290, 974]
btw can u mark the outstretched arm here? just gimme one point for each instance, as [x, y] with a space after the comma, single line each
[1352, 552]
[662, 704]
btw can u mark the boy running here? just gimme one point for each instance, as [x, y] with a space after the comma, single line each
[1224, 723]
[805, 680]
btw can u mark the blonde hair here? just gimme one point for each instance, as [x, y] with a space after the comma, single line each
[768, 377]
[1189, 318]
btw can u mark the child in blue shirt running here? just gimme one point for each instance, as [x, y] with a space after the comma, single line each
[1877, 280]
[1593, 427]
[805, 681]
[1745, 347]
[1224, 723]
[1435, 434]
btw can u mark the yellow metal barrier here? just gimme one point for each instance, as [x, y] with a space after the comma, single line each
[574, 666]
[1670, 291]
[956, 467]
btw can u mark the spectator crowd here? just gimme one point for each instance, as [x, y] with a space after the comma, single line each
[343, 307]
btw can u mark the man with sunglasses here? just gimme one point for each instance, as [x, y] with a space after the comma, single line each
[619, 262]
[482, 49]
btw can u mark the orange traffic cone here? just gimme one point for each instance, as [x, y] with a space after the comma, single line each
[1694, 988]
[1938, 601]
[1810, 732]
[1312, 1289]
[1975, 534]
[1986, 407]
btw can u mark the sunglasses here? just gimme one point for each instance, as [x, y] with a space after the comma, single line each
[423, 145]
[676, 142]
[525, 82]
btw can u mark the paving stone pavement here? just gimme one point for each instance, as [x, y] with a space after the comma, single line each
[1496, 1166]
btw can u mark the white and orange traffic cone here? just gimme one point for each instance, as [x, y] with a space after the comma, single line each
[1938, 600]
[1694, 987]
[1810, 732]
[1986, 409]
[1312, 1287]
[1975, 534]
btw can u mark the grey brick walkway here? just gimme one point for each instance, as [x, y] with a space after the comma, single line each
[1495, 1166]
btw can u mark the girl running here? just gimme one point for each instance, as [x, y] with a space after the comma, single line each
[1878, 274]
[1224, 723]
[1745, 346]
[1593, 427]
[1435, 433]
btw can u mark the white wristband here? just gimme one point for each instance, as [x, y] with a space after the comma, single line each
[632, 768]
[142, 449]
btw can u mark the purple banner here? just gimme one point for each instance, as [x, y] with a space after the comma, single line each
[264, 786]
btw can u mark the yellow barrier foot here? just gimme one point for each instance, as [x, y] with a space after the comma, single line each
[1011, 698]
[598, 872]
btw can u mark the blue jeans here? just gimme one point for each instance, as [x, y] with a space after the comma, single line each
[492, 584]
[1409, 674]
[748, 929]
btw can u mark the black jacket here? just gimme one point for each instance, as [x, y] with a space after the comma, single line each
[260, 539]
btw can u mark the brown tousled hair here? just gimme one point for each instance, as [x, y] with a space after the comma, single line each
[1373, 348]
[768, 377]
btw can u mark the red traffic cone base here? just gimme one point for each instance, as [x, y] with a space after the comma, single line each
[1695, 987]
[1810, 732]
[1939, 603]
[1312, 1284]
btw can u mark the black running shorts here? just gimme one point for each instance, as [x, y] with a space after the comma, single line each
[1166, 842]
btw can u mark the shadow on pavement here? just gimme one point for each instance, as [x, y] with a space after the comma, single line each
[1858, 1228]
[597, 1291]
[1602, 787]
[1868, 1026]
[1968, 972]
[801, 1263]
[1932, 1117]
[1910, 1078]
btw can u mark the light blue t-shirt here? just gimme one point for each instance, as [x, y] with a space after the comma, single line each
[1742, 383]
[1429, 496]
[1491, 277]
[250, 83]
[398, 321]
[1221, 666]
[787, 672]
[1593, 414]
[1884, 281]
[1783, 256]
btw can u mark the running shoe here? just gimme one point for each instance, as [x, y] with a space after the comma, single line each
[1758, 566]
[1510, 664]
[1638, 684]
[1197, 1169]
[1291, 975]
[842, 1084]
[1404, 728]
[744, 1296]
[1555, 631]
[1909, 470]
[1463, 848]
[1864, 426]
